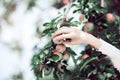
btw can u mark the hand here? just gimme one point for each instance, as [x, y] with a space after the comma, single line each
[75, 35]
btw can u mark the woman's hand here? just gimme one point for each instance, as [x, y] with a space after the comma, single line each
[75, 36]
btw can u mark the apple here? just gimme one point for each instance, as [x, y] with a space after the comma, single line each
[60, 48]
[82, 17]
[110, 17]
[85, 56]
[58, 53]
[66, 55]
[88, 27]
[65, 2]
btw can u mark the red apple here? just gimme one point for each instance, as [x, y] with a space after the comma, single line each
[66, 55]
[110, 17]
[85, 56]
[60, 48]
[65, 2]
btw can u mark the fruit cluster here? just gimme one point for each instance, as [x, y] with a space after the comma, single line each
[60, 50]
[89, 25]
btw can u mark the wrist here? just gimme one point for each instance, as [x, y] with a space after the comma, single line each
[93, 41]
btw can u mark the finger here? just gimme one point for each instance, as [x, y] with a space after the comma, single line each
[67, 42]
[60, 31]
[62, 37]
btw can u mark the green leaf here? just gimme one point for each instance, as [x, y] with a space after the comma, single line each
[75, 23]
[85, 2]
[48, 46]
[92, 72]
[70, 51]
[46, 24]
[109, 75]
[47, 31]
[101, 76]
[55, 57]
[85, 62]
[35, 60]
[47, 70]
[105, 24]
[53, 21]
[76, 5]
[64, 9]
[42, 54]
[71, 19]
[38, 76]
[31, 4]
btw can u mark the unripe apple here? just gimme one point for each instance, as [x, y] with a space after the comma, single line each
[66, 55]
[82, 17]
[60, 48]
[85, 56]
[110, 17]
[88, 27]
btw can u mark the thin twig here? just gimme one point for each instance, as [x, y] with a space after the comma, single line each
[69, 7]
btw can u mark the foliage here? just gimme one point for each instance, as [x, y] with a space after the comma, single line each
[96, 66]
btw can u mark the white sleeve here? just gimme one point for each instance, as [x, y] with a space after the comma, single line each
[112, 52]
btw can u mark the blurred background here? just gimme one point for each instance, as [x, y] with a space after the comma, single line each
[20, 24]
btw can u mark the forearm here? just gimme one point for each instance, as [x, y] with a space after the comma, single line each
[112, 52]
[106, 49]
